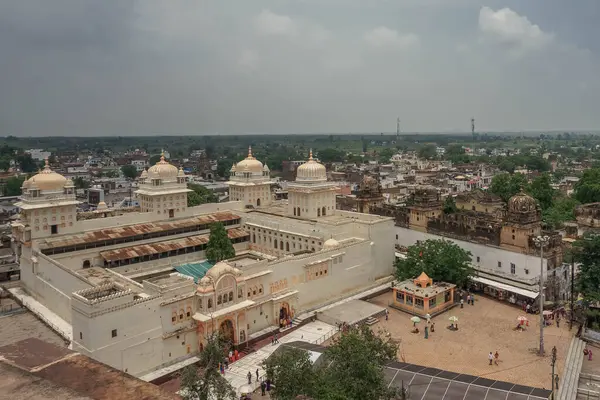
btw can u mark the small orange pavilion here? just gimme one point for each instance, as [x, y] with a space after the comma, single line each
[421, 296]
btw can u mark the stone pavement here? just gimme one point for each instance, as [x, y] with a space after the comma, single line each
[314, 332]
[59, 325]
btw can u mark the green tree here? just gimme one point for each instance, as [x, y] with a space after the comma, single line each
[385, 155]
[507, 166]
[26, 163]
[4, 164]
[154, 159]
[331, 155]
[449, 205]
[219, 245]
[129, 171]
[541, 190]
[81, 183]
[507, 185]
[428, 152]
[587, 189]
[111, 173]
[294, 373]
[223, 167]
[441, 259]
[13, 186]
[200, 195]
[588, 257]
[356, 361]
[204, 381]
[562, 210]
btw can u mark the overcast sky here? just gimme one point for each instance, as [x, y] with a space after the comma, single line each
[141, 67]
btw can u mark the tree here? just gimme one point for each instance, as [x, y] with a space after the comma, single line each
[587, 189]
[507, 166]
[206, 382]
[294, 373]
[81, 183]
[13, 186]
[562, 210]
[428, 152]
[507, 185]
[223, 167]
[442, 260]
[154, 159]
[449, 205]
[385, 155]
[219, 246]
[4, 164]
[26, 163]
[588, 257]
[541, 190]
[200, 195]
[331, 155]
[129, 171]
[355, 367]
[111, 173]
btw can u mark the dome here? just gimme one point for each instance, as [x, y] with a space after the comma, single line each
[330, 243]
[144, 174]
[232, 168]
[311, 170]
[250, 164]
[46, 180]
[163, 170]
[221, 268]
[180, 173]
[102, 206]
[522, 202]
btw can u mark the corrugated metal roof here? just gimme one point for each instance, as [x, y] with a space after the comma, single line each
[161, 247]
[195, 270]
[133, 230]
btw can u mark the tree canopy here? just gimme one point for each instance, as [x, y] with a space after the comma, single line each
[331, 155]
[449, 205]
[442, 260]
[206, 382]
[428, 151]
[353, 369]
[507, 185]
[129, 171]
[587, 254]
[219, 245]
[200, 195]
[541, 190]
[561, 211]
[587, 189]
[12, 187]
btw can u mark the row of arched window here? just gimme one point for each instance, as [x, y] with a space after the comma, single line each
[182, 315]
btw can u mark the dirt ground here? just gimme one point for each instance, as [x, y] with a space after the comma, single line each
[486, 326]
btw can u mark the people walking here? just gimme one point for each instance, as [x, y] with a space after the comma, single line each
[426, 332]
[496, 357]
[256, 374]
[462, 303]
[556, 382]
[491, 357]
[263, 388]
[249, 377]
[558, 321]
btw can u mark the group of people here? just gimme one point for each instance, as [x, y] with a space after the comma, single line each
[233, 355]
[494, 357]
[265, 384]
[470, 299]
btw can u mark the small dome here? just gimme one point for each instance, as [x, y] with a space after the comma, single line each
[221, 268]
[521, 202]
[144, 174]
[330, 243]
[180, 173]
[69, 183]
[250, 164]
[163, 170]
[311, 171]
[46, 180]
[266, 168]
[232, 168]
[102, 206]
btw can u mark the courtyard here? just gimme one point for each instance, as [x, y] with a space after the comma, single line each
[484, 327]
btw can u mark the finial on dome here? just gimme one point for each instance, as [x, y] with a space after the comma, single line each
[249, 151]
[46, 163]
[162, 155]
[310, 157]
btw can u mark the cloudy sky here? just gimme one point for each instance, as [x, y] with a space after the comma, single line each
[139, 67]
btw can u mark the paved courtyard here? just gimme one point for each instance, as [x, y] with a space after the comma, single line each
[23, 325]
[486, 326]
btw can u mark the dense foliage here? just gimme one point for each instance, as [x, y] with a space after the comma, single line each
[12, 187]
[200, 195]
[587, 254]
[353, 369]
[129, 171]
[449, 205]
[507, 185]
[441, 259]
[204, 380]
[219, 245]
[587, 189]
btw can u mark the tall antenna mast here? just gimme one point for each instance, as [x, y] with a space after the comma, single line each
[473, 128]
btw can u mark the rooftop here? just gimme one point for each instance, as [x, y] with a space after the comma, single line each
[123, 232]
[196, 270]
[409, 286]
[40, 370]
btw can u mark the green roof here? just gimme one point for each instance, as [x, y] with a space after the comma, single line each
[196, 270]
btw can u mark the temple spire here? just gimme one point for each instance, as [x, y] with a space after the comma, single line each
[310, 157]
[162, 155]
[249, 151]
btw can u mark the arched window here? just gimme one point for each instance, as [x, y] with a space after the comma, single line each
[323, 212]
[188, 312]
[86, 264]
[287, 246]
[219, 300]
[209, 303]
[294, 211]
[281, 245]
[180, 314]
[230, 296]
[240, 293]
[260, 289]
[174, 317]
[318, 212]
[275, 243]
[253, 238]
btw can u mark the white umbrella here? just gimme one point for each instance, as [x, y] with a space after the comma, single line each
[453, 319]
[415, 320]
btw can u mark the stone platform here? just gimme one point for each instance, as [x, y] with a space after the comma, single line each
[351, 312]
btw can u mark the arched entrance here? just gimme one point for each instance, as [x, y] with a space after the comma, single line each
[284, 314]
[257, 202]
[227, 330]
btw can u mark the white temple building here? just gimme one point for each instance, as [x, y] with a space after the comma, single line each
[137, 291]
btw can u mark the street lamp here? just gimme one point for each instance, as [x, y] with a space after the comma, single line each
[541, 242]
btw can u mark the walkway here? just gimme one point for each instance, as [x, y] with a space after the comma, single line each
[314, 332]
[59, 325]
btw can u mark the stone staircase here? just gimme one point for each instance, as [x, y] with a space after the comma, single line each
[569, 382]
[371, 321]
[589, 387]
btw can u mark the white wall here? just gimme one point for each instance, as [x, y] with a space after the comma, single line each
[489, 256]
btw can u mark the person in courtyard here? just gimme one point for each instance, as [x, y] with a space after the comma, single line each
[222, 368]
[462, 303]
[256, 374]
[432, 327]
[491, 357]
[263, 388]
[556, 382]
[426, 332]
[496, 357]
[472, 299]
[249, 377]
[386, 316]
[268, 385]
[236, 355]
[276, 340]
[468, 299]
[558, 321]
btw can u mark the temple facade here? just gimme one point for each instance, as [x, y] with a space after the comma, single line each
[136, 289]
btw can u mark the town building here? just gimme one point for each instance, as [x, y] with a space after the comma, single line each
[422, 297]
[134, 289]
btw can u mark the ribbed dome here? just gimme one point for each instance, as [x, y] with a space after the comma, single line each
[46, 180]
[249, 164]
[144, 174]
[330, 243]
[522, 202]
[163, 170]
[311, 171]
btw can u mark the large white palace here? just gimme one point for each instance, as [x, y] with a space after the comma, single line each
[137, 289]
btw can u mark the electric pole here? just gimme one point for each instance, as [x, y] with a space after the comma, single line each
[553, 381]
[473, 128]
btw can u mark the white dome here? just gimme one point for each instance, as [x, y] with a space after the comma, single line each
[249, 164]
[311, 171]
[163, 170]
[330, 243]
[46, 180]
